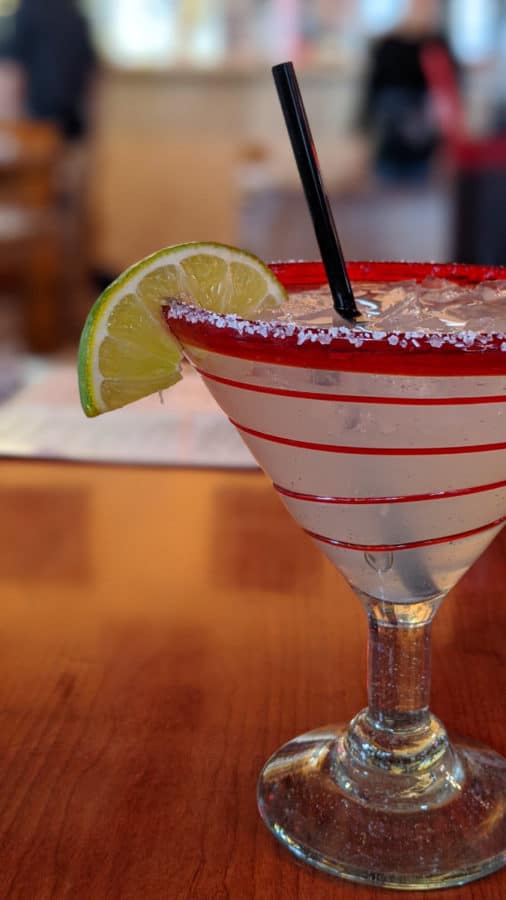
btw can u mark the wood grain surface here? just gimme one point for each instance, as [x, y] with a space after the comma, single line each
[161, 633]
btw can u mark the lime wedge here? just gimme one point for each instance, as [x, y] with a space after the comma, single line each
[126, 350]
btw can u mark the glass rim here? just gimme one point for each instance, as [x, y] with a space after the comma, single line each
[346, 347]
[388, 270]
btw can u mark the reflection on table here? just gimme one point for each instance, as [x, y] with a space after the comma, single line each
[163, 631]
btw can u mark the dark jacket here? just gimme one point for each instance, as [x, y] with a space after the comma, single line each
[52, 44]
[396, 107]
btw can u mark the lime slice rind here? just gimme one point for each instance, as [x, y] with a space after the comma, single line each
[214, 276]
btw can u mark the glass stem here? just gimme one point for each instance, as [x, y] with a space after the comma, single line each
[399, 663]
[397, 731]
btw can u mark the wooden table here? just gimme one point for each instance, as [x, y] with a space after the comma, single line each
[162, 631]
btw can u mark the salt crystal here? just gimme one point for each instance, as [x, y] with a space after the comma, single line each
[491, 332]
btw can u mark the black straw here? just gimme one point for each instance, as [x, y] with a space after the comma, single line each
[317, 200]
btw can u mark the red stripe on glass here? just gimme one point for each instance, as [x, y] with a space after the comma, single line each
[409, 498]
[369, 451]
[350, 398]
[428, 542]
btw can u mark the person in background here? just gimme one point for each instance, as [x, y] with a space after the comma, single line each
[396, 110]
[50, 43]
[49, 46]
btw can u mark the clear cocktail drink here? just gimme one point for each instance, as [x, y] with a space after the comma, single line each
[389, 449]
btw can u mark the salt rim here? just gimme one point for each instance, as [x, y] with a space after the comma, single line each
[461, 340]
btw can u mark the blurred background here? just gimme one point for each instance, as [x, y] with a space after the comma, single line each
[127, 125]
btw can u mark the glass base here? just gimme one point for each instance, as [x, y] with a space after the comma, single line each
[446, 827]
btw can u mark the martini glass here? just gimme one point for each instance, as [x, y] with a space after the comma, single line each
[390, 452]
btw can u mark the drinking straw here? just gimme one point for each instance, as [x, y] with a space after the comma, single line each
[303, 148]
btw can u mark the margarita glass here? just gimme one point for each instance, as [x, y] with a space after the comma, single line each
[390, 452]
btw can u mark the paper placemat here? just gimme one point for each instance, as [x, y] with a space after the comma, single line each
[184, 428]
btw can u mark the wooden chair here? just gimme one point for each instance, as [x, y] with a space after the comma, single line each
[30, 233]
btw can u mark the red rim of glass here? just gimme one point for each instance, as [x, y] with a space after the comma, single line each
[392, 353]
[297, 274]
